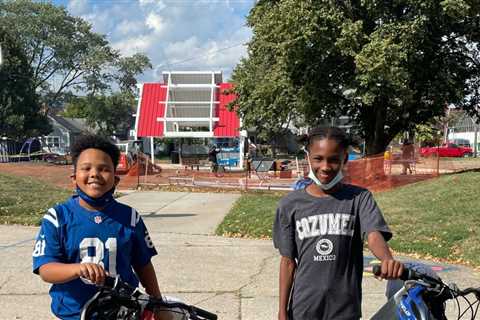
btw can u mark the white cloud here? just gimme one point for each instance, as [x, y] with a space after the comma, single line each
[127, 27]
[146, 2]
[133, 45]
[208, 34]
[158, 3]
[78, 7]
[156, 22]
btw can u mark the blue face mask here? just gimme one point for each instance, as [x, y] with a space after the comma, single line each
[101, 202]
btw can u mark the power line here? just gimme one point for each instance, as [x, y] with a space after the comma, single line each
[201, 56]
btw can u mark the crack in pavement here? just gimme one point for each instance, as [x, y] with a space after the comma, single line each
[5, 282]
[16, 244]
[252, 279]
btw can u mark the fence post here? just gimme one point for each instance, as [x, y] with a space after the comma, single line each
[475, 139]
[247, 173]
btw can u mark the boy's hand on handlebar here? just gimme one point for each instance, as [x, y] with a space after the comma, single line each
[391, 269]
[92, 272]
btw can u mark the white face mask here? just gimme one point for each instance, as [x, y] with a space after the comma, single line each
[324, 186]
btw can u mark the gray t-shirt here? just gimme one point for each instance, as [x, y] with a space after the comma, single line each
[325, 236]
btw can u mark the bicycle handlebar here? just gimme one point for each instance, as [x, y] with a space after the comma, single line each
[115, 283]
[408, 274]
[203, 313]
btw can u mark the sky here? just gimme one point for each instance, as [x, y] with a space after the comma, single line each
[177, 35]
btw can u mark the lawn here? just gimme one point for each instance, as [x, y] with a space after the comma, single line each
[25, 200]
[251, 215]
[436, 218]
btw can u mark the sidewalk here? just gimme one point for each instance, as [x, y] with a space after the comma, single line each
[235, 278]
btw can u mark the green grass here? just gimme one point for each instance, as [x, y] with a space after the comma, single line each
[437, 218]
[251, 216]
[25, 200]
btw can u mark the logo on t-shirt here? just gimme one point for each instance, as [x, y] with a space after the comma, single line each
[324, 247]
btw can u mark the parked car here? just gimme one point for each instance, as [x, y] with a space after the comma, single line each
[446, 150]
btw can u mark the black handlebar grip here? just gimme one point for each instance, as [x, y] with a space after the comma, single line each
[204, 313]
[407, 274]
[109, 282]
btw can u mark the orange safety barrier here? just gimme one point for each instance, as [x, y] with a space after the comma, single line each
[123, 164]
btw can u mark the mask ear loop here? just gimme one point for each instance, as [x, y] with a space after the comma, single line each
[304, 149]
[308, 157]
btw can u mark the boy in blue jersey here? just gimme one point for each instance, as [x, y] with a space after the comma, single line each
[91, 235]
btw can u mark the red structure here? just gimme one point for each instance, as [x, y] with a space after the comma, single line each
[190, 105]
[181, 108]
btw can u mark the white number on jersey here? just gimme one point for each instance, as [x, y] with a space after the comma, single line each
[39, 248]
[110, 245]
[148, 240]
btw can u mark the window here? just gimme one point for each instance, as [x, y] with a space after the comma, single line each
[53, 141]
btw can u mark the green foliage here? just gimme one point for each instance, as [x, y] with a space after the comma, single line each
[20, 115]
[428, 135]
[433, 131]
[387, 65]
[64, 55]
[62, 50]
[128, 69]
[110, 115]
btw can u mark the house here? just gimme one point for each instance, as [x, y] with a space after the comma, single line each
[65, 131]
[465, 131]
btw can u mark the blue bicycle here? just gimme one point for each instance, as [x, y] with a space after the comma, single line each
[422, 295]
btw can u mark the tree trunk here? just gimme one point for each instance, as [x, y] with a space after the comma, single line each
[376, 139]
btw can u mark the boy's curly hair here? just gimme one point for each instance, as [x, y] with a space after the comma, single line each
[91, 141]
[333, 133]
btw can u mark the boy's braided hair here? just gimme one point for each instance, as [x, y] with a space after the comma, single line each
[333, 133]
[91, 141]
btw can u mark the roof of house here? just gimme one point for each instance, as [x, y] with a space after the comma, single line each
[74, 125]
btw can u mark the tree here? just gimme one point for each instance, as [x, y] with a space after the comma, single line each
[20, 115]
[388, 65]
[110, 115]
[127, 70]
[62, 50]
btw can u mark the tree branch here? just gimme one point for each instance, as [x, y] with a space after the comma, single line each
[69, 82]
[49, 59]
[35, 74]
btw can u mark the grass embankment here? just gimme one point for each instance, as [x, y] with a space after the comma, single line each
[25, 200]
[251, 216]
[438, 218]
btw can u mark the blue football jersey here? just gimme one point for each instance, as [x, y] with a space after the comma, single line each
[115, 238]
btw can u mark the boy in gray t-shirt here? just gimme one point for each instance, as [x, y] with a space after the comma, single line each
[319, 232]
